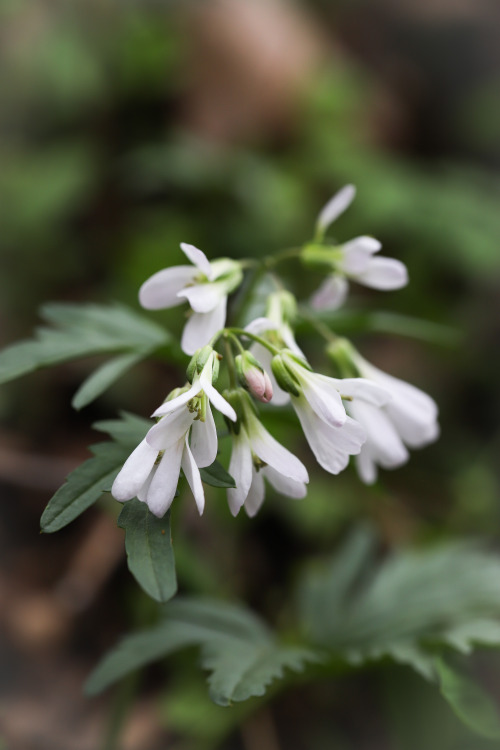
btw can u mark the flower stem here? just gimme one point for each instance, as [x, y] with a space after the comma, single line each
[242, 332]
[320, 327]
[230, 362]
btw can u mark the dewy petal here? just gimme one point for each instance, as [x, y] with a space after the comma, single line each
[169, 429]
[199, 259]
[203, 298]
[160, 290]
[335, 206]
[384, 273]
[273, 453]
[331, 294]
[241, 469]
[164, 484]
[256, 494]
[322, 394]
[192, 474]
[217, 400]
[134, 472]
[284, 485]
[200, 328]
[204, 440]
[178, 401]
[357, 254]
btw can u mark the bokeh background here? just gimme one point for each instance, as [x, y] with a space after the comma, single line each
[129, 127]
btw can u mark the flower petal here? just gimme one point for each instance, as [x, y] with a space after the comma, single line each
[335, 206]
[322, 394]
[366, 466]
[217, 400]
[284, 485]
[241, 469]
[199, 259]
[386, 446]
[264, 356]
[204, 440]
[364, 389]
[200, 327]
[178, 401]
[169, 429]
[273, 453]
[162, 489]
[256, 494]
[134, 472]
[192, 474]
[160, 290]
[357, 254]
[203, 298]
[331, 294]
[384, 273]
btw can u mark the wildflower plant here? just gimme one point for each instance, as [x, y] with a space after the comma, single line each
[237, 372]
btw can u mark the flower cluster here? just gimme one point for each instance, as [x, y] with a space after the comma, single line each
[365, 413]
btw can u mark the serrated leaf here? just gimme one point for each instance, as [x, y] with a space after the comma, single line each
[468, 700]
[236, 646]
[100, 380]
[216, 476]
[148, 544]
[80, 331]
[84, 486]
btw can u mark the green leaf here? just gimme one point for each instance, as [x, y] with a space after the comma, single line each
[237, 647]
[80, 331]
[129, 430]
[150, 555]
[217, 476]
[468, 700]
[102, 378]
[84, 486]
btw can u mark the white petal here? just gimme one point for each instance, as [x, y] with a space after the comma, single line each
[169, 429]
[178, 401]
[284, 485]
[384, 273]
[241, 469]
[364, 389]
[204, 440]
[273, 453]
[256, 494]
[330, 445]
[199, 259]
[336, 206]
[203, 298]
[143, 492]
[192, 474]
[331, 294]
[218, 401]
[264, 356]
[134, 472]
[322, 394]
[357, 254]
[416, 432]
[160, 290]
[162, 489]
[260, 325]
[386, 446]
[366, 466]
[286, 334]
[200, 327]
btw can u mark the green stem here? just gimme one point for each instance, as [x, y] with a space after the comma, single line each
[242, 332]
[270, 261]
[230, 363]
[320, 327]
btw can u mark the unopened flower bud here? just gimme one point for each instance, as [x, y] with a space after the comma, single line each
[284, 375]
[198, 362]
[253, 377]
[342, 353]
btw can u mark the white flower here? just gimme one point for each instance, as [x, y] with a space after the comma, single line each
[256, 456]
[407, 419]
[151, 472]
[205, 286]
[332, 435]
[353, 260]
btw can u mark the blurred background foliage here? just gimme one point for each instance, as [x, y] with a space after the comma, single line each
[126, 128]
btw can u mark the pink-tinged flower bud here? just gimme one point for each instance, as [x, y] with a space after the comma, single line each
[253, 377]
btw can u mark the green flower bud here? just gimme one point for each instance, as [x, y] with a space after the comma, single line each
[198, 362]
[284, 375]
[315, 255]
